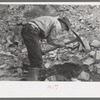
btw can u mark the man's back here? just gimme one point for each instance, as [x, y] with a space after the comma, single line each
[46, 23]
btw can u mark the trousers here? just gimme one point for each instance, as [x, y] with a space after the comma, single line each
[31, 38]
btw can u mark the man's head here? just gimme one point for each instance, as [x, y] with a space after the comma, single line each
[65, 22]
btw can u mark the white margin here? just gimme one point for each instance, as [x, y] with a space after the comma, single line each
[39, 89]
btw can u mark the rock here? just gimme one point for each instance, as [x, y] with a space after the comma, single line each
[3, 66]
[80, 47]
[95, 76]
[1, 61]
[56, 78]
[78, 55]
[25, 72]
[19, 70]
[47, 65]
[66, 40]
[15, 75]
[65, 57]
[86, 44]
[97, 58]
[24, 50]
[16, 59]
[71, 45]
[95, 68]
[8, 67]
[11, 79]
[75, 80]
[95, 43]
[92, 53]
[89, 61]
[19, 22]
[98, 70]
[91, 68]
[24, 22]
[3, 73]
[15, 65]
[20, 64]
[76, 60]
[97, 65]
[84, 76]
[52, 54]
[6, 53]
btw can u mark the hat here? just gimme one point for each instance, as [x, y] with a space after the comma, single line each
[66, 22]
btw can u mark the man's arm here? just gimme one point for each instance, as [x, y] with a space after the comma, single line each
[56, 43]
[53, 40]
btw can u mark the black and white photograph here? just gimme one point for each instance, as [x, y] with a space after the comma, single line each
[50, 42]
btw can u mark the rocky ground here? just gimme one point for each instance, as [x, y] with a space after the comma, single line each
[11, 66]
[88, 57]
[85, 20]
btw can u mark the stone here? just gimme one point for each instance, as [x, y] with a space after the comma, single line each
[3, 73]
[56, 78]
[86, 44]
[19, 70]
[97, 58]
[3, 66]
[24, 50]
[11, 79]
[8, 67]
[24, 22]
[95, 76]
[78, 55]
[75, 80]
[52, 54]
[97, 65]
[80, 47]
[91, 68]
[47, 65]
[95, 43]
[98, 70]
[92, 53]
[65, 57]
[71, 45]
[84, 76]
[15, 75]
[89, 61]
[19, 22]
[66, 40]
[76, 60]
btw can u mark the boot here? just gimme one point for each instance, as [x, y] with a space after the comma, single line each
[33, 74]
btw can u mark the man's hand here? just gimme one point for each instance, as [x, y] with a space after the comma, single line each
[61, 44]
[57, 45]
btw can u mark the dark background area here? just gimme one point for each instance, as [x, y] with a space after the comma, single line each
[50, 99]
[49, 1]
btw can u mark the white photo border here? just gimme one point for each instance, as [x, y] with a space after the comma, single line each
[14, 89]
